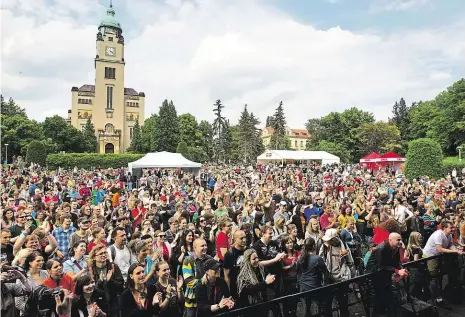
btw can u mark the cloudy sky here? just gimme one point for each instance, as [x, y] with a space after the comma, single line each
[316, 56]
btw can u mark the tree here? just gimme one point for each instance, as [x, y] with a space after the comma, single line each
[136, 142]
[402, 121]
[67, 137]
[269, 121]
[18, 131]
[333, 148]
[36, 153]
[188, 129]
[167, 128]
[206, 139]
[448, 126]
[340, 128]
[226, 141]
[148, 136]
[10, 108]
[183, 149]
[378, 137]
[90, 139]
[218, 126]
[278, 139]
[250, 143]
[424, 158]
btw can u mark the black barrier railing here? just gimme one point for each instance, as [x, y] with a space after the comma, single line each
[359, 290]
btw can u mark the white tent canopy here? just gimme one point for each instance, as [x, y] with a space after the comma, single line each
[283, 155]
[163, 160]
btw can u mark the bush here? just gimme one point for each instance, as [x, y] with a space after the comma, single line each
[424, 158]
[449, 163]
[90, 160]
[36, 153]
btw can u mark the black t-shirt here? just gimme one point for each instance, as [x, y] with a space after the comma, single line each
[232, 261]
[7, 253]
[268, 252]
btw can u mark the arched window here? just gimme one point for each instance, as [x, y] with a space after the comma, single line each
[109, 148]
[109, 128]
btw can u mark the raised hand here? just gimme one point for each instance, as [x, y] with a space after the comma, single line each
[180, 283]
[270, 279]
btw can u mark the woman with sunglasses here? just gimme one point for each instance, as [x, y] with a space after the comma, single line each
[139, 299]
[107, 277]
[161, 246]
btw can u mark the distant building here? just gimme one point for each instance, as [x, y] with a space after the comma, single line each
[298, 137]
[112, 108]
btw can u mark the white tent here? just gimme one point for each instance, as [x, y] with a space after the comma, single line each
[286, 156]
[164, 160]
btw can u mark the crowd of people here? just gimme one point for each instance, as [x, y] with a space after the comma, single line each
[103, 242]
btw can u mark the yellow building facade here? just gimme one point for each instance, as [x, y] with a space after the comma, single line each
[112, 108]
[298, 137]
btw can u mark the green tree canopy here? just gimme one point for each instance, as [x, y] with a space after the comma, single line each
[380, 137]
[136, 142]
[188, 129]
[183, 149]
[333, 148]
[340, 128]
[10, 108]
[148, 132]
[278, 139]
[167, 128]
[206, 139]
[36, 153]
[90, 139]
[67, 137]
[424, 158]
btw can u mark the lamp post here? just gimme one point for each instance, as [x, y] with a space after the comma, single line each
[6, 153]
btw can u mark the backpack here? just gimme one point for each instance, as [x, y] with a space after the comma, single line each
[113, 253]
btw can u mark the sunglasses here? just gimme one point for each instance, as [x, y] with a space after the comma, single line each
[20, 217]
[161, 236]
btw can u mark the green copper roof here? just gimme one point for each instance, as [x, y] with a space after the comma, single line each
[109, 19]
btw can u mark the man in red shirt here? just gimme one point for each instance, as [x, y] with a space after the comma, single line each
[222, 241]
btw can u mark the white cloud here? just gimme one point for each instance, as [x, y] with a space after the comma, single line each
[195, 52]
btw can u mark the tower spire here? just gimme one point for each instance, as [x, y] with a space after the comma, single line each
[111, 3]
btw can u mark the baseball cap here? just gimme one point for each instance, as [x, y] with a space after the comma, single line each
[211, 264]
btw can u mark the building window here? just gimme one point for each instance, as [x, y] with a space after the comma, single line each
[131, 132]
[109, 97]
[295, 143]
[83, 126]
[110, 38]
[301, 143]
[110, 72]
[85, 101]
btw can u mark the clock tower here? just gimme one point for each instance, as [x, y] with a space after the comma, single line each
[112, 108]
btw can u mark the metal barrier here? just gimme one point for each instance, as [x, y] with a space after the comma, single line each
[360, 291]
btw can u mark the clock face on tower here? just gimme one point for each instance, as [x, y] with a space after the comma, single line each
[110, 51]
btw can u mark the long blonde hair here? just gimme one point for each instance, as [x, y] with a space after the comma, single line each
[413, 243]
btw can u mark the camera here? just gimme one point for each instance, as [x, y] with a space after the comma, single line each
[46, 298]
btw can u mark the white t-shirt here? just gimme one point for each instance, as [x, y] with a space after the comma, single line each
[438, 237]
[122, 259]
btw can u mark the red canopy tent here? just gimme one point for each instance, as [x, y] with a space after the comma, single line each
[391, 159]
[371, 160]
